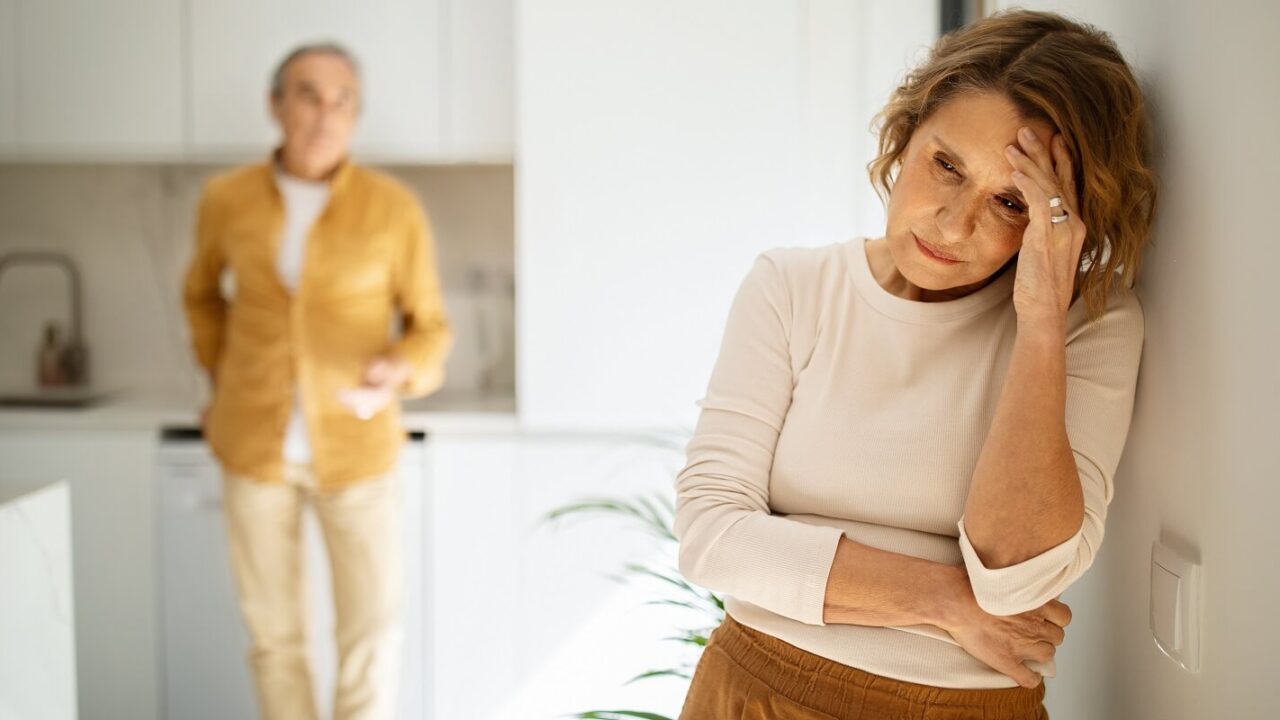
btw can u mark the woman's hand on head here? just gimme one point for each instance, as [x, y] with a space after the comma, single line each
[1006, 642]
[1050, 253]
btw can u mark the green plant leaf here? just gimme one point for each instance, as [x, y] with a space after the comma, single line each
[618, 715]
[669, 672]
[655, 513]
[692, 637]
[638, 510]
[676, 603]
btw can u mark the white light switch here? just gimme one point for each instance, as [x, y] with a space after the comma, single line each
[1175, 606]
[1164, 607]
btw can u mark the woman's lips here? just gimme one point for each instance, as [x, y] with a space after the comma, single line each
[932, 254]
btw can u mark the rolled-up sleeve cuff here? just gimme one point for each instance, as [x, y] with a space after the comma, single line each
[1023, 586]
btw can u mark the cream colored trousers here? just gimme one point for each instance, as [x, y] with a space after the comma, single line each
[361, 528]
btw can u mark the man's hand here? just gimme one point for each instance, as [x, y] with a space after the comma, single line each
[383, 377]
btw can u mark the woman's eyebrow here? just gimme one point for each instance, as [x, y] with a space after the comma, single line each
[959, 162]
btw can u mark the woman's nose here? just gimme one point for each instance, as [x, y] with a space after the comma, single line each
[956, 218]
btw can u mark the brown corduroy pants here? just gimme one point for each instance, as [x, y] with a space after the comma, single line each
[745, 674]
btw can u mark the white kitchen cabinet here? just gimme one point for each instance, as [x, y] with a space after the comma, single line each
[473, 566]
[96, 80]
[235, 45]
[479, 76]
[111, 479]
[188, 79]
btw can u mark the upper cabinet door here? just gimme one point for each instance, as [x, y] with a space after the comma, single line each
[94, 79]
[479, 79]
[235, 45]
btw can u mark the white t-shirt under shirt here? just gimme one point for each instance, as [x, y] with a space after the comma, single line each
[838, 408]
[304, 200]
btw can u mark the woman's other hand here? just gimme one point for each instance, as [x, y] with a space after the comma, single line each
[1006, 642]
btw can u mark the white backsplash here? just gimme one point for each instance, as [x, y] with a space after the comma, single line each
[129, 230]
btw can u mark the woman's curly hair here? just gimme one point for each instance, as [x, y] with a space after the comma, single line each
[1072, 76]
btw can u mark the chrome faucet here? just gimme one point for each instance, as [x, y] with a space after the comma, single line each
[76, 355]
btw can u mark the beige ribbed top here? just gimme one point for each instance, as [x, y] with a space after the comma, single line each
[836, 407]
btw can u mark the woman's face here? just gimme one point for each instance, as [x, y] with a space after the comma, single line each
[955, 192]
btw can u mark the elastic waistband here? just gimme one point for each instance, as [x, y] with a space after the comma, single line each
[834, 688]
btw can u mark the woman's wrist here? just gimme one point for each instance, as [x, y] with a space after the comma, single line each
[1050, 331]
[880, 588]
[954, 597]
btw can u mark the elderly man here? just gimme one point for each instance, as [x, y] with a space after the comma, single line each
[306, 373]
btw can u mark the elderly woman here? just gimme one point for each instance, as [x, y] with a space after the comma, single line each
[906, 449]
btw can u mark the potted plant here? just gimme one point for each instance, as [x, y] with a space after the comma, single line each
[654, 514]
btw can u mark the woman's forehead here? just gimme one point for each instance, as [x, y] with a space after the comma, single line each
[976, 128]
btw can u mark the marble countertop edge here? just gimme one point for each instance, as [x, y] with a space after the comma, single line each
[153, 410]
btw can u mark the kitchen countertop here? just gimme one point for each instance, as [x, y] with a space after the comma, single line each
[446, 410]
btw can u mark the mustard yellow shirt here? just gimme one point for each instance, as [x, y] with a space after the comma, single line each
[369, 257]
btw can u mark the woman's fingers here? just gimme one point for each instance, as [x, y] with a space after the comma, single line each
[1041, 180]
[1066, 175]
[1033, 159]
[1021, 674]
[1053, 633]
[1041, 651]
[1056, 612]
[1037, 151]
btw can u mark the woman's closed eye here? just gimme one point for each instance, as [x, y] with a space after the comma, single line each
[1008, 205]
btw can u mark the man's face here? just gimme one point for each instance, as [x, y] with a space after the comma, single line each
[316, 110]
[955, 192]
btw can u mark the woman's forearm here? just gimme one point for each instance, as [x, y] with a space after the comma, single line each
[870, 586]
[1025, 495]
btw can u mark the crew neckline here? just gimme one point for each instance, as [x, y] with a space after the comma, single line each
[293, 181]
[915, 311]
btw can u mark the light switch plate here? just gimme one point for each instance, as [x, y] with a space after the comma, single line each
[1175, 606]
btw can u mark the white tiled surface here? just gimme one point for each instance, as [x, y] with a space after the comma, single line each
[129, 230]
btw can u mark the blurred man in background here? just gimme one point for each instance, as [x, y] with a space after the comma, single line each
[306, 375]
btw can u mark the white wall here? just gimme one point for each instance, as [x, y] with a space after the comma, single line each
[663, 145]
[1201, 466]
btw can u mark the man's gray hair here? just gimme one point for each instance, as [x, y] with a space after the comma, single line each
[324, 48]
